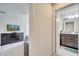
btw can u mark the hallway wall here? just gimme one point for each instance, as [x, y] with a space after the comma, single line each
[40, 29]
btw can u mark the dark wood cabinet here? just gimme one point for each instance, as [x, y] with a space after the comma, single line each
[7, 38]
[69, 40]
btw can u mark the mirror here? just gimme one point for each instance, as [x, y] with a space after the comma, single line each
[67, 20]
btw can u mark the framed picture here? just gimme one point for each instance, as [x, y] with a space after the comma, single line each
[11, 27]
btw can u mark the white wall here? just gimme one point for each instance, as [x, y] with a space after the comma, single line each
[12, 18]
[14, 15]
[40, 29]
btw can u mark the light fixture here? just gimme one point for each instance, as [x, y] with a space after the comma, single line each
[72, 16]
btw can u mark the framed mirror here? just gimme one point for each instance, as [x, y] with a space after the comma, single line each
[67, 33]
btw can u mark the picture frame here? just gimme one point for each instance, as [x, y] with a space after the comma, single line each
[11, 27]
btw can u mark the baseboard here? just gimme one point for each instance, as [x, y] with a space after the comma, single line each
[54, 54]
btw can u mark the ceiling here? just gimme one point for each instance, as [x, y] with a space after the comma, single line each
[14, 7]
[68, 11]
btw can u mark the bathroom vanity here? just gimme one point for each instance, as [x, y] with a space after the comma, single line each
[69, 40]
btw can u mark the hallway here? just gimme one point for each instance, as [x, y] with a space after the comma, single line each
[39, 29]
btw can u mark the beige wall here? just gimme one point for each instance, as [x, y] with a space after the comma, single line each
[41, 29]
